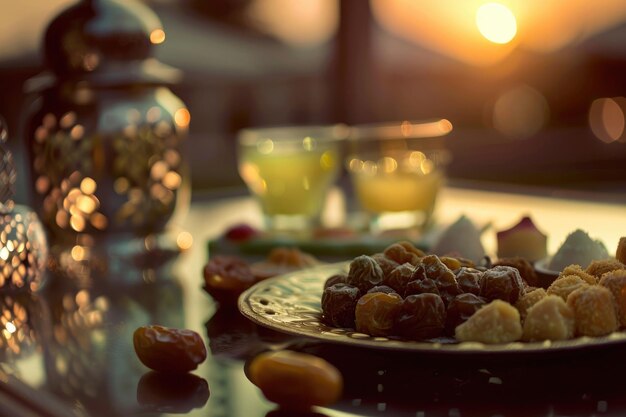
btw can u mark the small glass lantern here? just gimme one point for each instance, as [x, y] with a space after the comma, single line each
[23, 246]
[25, 331]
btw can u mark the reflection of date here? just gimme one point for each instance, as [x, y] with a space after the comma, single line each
[169, 350]
[172, 393]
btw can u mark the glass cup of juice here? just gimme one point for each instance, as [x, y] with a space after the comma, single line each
[290, 170]
[397, 171]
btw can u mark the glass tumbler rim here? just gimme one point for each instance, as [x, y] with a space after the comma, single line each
[425, 130]
[290, 134]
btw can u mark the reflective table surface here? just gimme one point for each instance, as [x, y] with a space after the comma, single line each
[73, 341]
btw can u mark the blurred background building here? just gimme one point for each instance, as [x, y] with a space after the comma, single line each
[535, 89]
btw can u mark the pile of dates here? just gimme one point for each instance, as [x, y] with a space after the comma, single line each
[405, 293]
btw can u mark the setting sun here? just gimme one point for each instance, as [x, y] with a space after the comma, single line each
[496, 22]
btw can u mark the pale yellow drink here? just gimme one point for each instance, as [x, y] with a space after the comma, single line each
[398, 187]
[291, 181]
[398, 191]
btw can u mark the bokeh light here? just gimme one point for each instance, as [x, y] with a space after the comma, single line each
[607, 120]
[182, 117]
[184, 240]
[520, 112]
[299, 23]
[157, 36]
[496, 23]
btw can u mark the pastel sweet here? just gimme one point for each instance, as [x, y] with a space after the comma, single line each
[523, 240]
[578, 249]
[461, 238]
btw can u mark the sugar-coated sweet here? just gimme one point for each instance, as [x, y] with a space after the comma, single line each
[528, 300]
[594, 309]
[579, 272]
[497, 322]
[549, 319]
[598, 268]
[564, 286]
[615, 281]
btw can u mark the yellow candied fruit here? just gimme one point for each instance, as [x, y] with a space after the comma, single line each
[549, 319]
[564, 286]
[578, 271]
[528, 300]
[601, 267]
[594, 310]
[497, 322]
[615, 281]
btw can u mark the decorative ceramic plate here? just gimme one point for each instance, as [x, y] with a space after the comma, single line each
[291, 304]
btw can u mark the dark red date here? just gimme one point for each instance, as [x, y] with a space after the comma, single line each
[226, 277]
[166, 349]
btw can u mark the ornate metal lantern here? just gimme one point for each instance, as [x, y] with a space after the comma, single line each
[104, 136]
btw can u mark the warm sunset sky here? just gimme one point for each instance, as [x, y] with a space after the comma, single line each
[449, 26]
[445, 26]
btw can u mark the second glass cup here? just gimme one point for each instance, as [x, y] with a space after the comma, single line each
[290, 170]
[397, 171]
